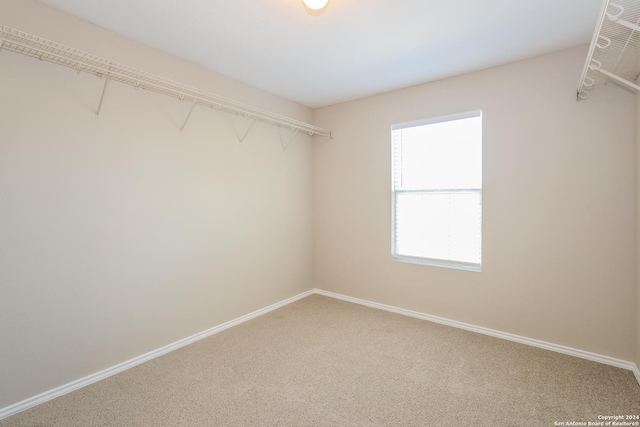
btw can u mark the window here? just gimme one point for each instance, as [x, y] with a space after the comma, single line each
[437, 191]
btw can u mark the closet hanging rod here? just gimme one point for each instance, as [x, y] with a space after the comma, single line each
[46, 50]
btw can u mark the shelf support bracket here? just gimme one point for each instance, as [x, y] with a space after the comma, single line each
[104, 90]
[620, 79]
[241, 139]
[195, 101]
[284, 146]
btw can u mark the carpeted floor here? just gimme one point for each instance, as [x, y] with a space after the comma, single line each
[325, 362]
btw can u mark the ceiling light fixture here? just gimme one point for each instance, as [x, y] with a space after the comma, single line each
[315, 4]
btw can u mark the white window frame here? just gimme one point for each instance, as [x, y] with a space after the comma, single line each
[431, 261]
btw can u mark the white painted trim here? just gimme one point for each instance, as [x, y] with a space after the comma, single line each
[607, 360]
[90, 379]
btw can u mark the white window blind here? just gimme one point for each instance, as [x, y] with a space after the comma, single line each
[437, 191]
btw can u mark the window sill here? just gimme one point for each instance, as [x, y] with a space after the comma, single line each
[439, 263]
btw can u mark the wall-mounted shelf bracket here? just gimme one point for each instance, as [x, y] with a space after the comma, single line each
[246, 132]
[104, 90]
[284, 146]
[193, 106]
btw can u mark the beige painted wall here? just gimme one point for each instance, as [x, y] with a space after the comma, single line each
[558, 205]
[120, 235]
[637, 360]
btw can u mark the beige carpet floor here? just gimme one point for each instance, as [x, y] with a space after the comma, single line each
[325, 362]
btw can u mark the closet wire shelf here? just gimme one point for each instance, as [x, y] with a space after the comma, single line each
[614, 54]
[46, 50]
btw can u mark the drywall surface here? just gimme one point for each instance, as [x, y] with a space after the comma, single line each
[121, 235]
[638, 230]
[558, 205]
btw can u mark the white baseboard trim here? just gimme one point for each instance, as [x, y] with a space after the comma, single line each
[90, 379]
[607, 360]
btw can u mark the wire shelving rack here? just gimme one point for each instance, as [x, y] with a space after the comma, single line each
[614, 54]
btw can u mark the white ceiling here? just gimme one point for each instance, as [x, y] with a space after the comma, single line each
[353, 49]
